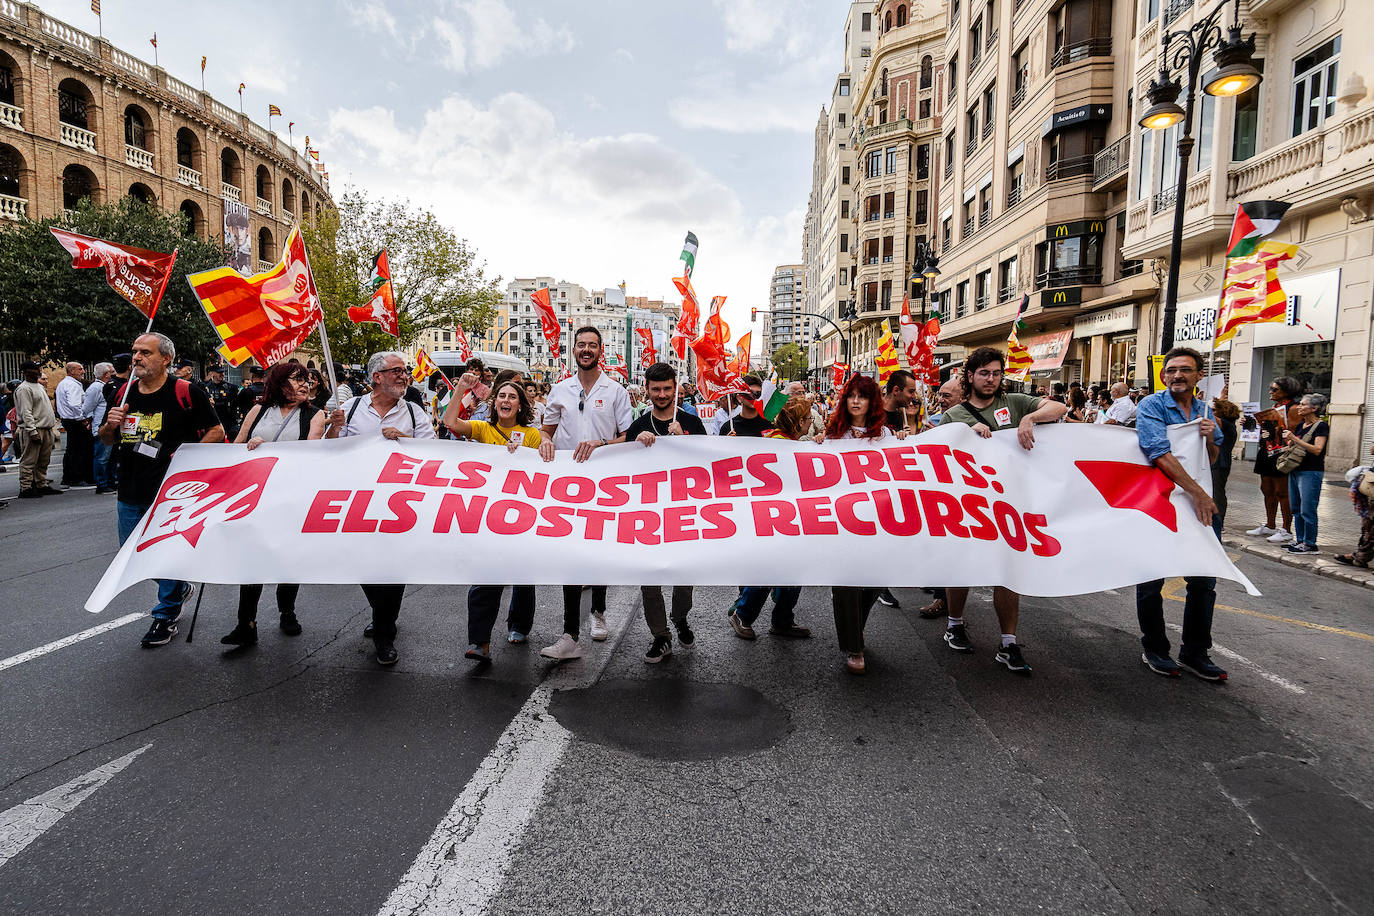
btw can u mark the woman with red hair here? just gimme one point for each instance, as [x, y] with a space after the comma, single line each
[859, 414]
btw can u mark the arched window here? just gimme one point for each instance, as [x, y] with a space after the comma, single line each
[287, 194]
[193, 219]
[188, 148]
[73, 103]
[265, 248]
[7, 94]
[264, 183]
[887, 21]
[135, 128]
[11, 172]
[901, 15]
[230, 172]
[305, 204]
[142, 192]
[78, 183]
[927, 69]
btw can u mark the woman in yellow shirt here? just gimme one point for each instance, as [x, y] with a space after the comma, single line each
[511, 410]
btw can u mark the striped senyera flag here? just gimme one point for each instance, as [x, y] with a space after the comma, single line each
[1253, 294]
[1018, 359]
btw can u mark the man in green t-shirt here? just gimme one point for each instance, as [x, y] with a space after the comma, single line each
[988, 409]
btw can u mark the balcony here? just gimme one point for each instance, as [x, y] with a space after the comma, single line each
[889, 214]
[987, 129]
[13, 207]
[985, 217]
[975, 58]
[188, 176]
[1018, 96]
[1131, 268]
[972, 144]
[264, 207]
[1074, 167]
[992, 39]
[264, 266]
[880, 93]
[1164, 200]
[949, 169]
[230, 192]
[953, 85]
[1006, 294]
[980, 302]
[1176, 9]
[1081, 50]
[1069, 276]
[872, 217]
[969, 227]
[79, 137]
[1014, 195]
[11, 116]
[1112, 162]
[138, 157]
[921, 217]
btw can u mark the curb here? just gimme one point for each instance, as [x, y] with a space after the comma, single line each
[1319, 565]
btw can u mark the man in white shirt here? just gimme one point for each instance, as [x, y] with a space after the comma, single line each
[93, 410]
[584, 412]
[384, 412]
[80, 451]
[1122, 411]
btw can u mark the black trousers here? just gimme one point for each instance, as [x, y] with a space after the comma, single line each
[1198, 605]
[851, 614]
[572, 606]
[78, 460]
[250, 595]
[484, 606]
[386, 607]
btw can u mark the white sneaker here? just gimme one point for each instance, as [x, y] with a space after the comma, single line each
[565, 648]
[599, 631]
[1279, 537]
[1263, 531]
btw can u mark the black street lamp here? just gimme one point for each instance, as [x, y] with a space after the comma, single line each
[924, 270]
[1236, 73]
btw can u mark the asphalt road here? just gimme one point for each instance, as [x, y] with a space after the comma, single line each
[734, 778]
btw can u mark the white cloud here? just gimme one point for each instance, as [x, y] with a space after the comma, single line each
[537, 199]
[481, 33]
[624, 55]
[752, 24]
[784, 98]
[372, 15]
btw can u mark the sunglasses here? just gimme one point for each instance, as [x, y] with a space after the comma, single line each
[582, 401]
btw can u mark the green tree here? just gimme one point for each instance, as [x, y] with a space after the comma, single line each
[789, 361]
[436, 276]
[50, 310]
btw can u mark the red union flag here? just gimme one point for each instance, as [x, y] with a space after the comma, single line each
[649, 355]
[138, 275]
[686, 329]
[838, 373]
[381, 303]
[461, 338]
[191, 500]
[265, 316]
[548, 321]
[715, 378]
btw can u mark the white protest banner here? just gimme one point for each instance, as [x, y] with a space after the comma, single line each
[942, 508]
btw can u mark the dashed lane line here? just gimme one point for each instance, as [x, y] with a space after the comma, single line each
[68, 640]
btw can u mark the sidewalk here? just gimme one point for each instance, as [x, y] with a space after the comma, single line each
[1338, 527]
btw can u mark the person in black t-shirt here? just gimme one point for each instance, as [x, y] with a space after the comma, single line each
[664, 419]
[250, 393]
[160, 413]
[899, 394]
[748, 422]
[224, 396]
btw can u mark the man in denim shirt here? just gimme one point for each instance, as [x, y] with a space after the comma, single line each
[1154, 415]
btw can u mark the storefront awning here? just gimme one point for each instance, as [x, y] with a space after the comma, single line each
[1048, 350]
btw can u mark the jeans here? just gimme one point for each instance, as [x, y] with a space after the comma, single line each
[656, 614]
[572, 606]
[484, 606]
[169, 591]
[1198, 604]
[1304, 491]
[751, 598]
[851, 614]
[100, 465]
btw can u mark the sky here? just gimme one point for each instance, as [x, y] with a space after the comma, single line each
[580, 140]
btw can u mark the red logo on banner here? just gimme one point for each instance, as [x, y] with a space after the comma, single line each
[190, 500]
[1133, 486]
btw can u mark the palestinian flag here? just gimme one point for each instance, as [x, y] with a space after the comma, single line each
[886, 360]
[772, 401]
[689, 254]
[1018, 359]
[1021, 312]
[1254, 220]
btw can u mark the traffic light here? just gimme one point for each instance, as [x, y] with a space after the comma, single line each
[753, 315]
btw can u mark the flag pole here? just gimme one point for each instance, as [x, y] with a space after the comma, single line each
[149, 329]
[324, 337]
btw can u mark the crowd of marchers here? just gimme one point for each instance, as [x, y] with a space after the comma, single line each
[123, 429]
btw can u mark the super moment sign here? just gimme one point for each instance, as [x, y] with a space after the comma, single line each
[1082, 512]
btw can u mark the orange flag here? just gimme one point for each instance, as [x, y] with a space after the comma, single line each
[740, 363]
[265, 316]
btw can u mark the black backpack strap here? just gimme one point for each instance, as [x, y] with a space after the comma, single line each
[352, 410]
[261, 408]
[410, 405]
[978, 415]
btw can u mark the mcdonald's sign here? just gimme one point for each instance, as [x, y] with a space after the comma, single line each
[1061, 298]
[1075, 227]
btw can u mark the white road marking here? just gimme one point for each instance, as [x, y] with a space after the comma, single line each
[461, 868]
[1241, 659]
[67, 641]
[26, 822]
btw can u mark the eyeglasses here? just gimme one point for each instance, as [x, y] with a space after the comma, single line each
[398, 370]
[988, 373]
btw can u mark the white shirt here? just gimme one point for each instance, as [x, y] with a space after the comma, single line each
[857, 432]
[605, 411]
[405, 416]
[1122, 410]
[71, 399]
[93, 407]
[340, 394]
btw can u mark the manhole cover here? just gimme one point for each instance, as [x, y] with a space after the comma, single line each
[673, 719]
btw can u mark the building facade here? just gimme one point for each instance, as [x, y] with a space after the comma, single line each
[1304, 136]
[787, 318]
[80, 118]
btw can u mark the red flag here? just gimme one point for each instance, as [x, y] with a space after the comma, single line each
[464, 348]
[838, 372]
[618, 366]
[265, 316]
[649, 355]
[715, 326]
[686, 330]
[740, 363]
[553, 329]
[714, 375]
[139, 276]
[911, 332]
[381, 308]
[924, 364]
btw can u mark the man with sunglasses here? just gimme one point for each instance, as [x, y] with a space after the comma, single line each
[584, 412]
[987, 409]
[384, 412]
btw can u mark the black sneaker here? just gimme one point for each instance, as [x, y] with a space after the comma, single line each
[887, 599]
[661, 649]
[386, 653]
[685, 637]
[241, 635]
[159, 634]
[289, 624]
[1202, 666]
[1011, 657]
[1160, 664]
[957, 637]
